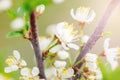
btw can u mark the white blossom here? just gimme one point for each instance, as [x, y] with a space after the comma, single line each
[67, 73]
[51, 29]
[91, 64]
[66, 35]
[91, 60]
[111, 54]
[17, 24]
[14, 62]
[40, 9]
[83, 14]
[58, 1]
[5, 4]
[28, 74]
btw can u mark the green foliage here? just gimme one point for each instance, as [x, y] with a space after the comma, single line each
[14, 34]
[12, 13]
[106, 34]
[107, 73]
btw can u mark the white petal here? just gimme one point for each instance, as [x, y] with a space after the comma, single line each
[55, 49]
[44, 42]
[74, 46]
[72, 14]
[17, 24]
[91, 57]
[23, 63]
[84, 39]
[51, 29]
[91, 16]
[64, 46]
[16, 54]
[11, 68]
[8, 69]
[58, 1]
[59, 64]
[106, 44]
[25, 72]
[5, 4]
[114, 65]
[14, 68]
[35, 71]
[40, 9]
[50, 72]
[63, 54]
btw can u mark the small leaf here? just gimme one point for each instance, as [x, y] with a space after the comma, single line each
[103, 69]
[115, 75]
[12, 13]
[106, 34]
[14, 34]
[26, 26]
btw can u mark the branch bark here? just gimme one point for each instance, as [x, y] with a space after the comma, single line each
[96, 35]
[35, 43]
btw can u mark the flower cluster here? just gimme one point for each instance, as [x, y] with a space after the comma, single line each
[15, 62]
[57, 49]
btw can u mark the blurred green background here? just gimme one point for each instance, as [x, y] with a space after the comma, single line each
[55, 13]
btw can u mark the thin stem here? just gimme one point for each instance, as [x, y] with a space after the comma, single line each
[96, 35]
[35, 43]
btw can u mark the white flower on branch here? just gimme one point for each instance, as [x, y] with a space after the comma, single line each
[66, 35]
[14, 62]
[91, 64]
[111, 54]
[28, 74]
[5, 4]
[40, 9]
[65, 73]
[91, 60]
[17, 24]
[83, 15]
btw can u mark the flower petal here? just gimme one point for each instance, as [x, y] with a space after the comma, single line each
[59, 64]
[23, 63]
[63, 54]
[16, 54]
[35, 71]
[74, 46]
[25, 72]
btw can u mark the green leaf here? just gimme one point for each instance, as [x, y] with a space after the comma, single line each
[102, 66]
[12, 13]
[14, 34]
[26, 26]
[115, 75]
[106, 34]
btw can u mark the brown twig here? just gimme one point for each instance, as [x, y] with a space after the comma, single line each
[35, 43]
[96, 35]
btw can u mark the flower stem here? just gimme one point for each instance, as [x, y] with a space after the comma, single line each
[96, 35]
[35, 43]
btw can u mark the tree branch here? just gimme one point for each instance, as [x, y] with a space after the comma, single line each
[35, 43]
[96, 35]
